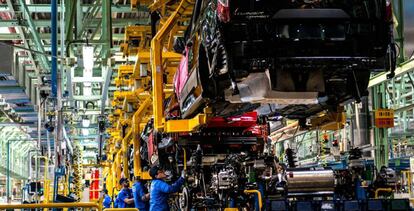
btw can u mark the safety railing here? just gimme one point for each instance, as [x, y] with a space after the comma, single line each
[121, 209]
[385, 190]
[85, 205]
[259, 196]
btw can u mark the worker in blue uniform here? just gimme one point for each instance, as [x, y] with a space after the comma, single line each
[125, 198]
[160, 190]
[106, 199]
[116, 202]
[141, 195]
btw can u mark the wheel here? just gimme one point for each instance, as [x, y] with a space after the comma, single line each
[184, 199]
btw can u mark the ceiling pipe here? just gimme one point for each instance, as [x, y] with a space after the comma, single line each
[30, 161]
[54, 47]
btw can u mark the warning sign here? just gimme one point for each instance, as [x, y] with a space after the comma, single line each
[384, 118]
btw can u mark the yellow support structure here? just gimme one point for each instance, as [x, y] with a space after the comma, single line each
[136, 3]
[378, 190]
[124, 76]
[157, 71]
[133, 101]
[185, 125]
[406, 175]
[136, 119]
[329, 120]
[136, 38]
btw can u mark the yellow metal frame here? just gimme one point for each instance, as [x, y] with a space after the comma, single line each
[123, 72]
[136, 119]
[157, 68]
[378, 190]
[140, 94]
[329, 120]
[46, 181]
[259, 196]
[408, 174]
[132, 33]
[187, 125]
[135, 3]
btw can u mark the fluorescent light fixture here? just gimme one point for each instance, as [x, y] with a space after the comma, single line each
[87, 89]
[85, 132]
[87, 56]
[86, 122]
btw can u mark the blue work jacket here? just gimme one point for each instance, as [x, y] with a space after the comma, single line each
[107, 202]
[160, 191]
[139, 190]
[124, 194]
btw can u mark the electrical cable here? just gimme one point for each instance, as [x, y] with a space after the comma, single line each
[31, 50]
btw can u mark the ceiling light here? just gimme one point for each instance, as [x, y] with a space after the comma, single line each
[87, 89]
[85, 132]
[87, 53]
[86, 122]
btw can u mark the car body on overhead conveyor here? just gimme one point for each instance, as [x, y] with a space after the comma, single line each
[221, 135]
[302, 57]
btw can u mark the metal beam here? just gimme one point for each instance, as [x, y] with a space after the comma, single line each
[105, 89]
[44, 36]
[81, 137]
[46, 8]
[118, 23]
[106, 29]
[70, 14]
[23, 37]
[87, 98]
[405, 67]
[90, 15]
[35, 35]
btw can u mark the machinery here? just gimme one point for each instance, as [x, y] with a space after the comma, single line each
[200, 86]
[187, 104]
[284, 53]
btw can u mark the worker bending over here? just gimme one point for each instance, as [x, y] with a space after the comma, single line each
[141, 195]
[160, 190]
[125, 198]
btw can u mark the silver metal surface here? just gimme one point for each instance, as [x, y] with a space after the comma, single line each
[310, 181]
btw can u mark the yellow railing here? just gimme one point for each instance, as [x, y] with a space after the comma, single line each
[121, 209]
[259, 196]
[406, 175]
[89, 205]
[378, 190]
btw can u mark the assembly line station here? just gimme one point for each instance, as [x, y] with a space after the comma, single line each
[207, 105]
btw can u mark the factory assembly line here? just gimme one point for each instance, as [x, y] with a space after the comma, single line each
[208, 105]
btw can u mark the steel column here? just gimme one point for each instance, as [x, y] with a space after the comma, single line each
[380, 135]
[54, 47]
[70, 12]
[8, 171]
[36, 37]
[106, 35]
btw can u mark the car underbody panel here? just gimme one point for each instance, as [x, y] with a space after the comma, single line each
[256, 88]
[304, 57]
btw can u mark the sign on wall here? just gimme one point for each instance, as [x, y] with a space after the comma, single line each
[384, 118]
